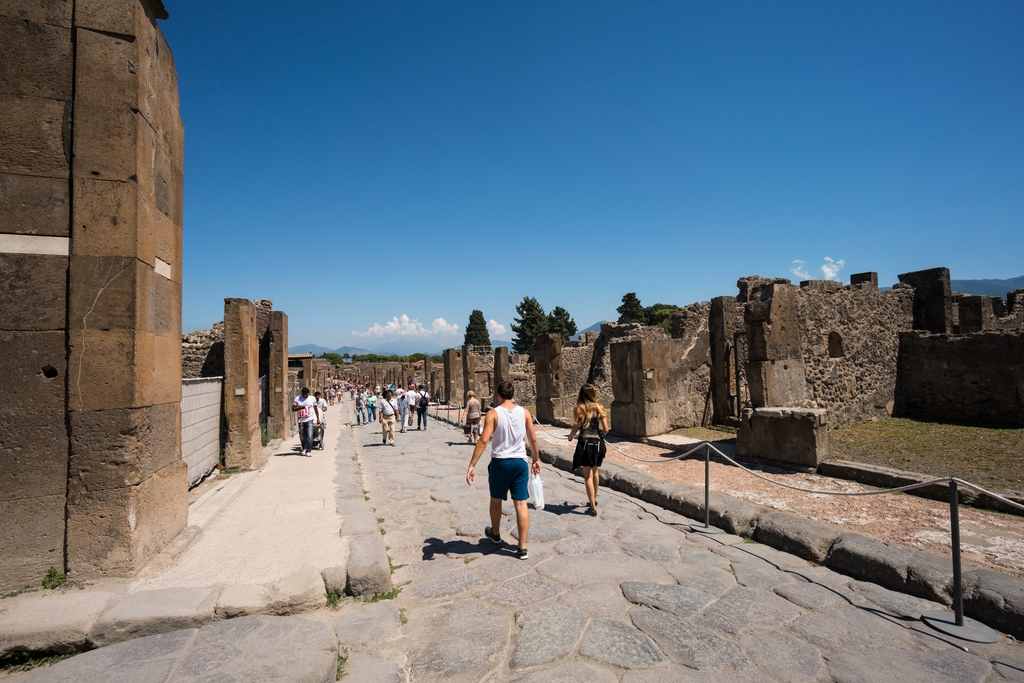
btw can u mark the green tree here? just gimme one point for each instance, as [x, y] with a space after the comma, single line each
[561, 322]
[660, 315]
[334, 358]
[476, 330]
[631, 310]
[531, 323]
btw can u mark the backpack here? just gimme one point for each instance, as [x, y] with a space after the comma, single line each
[424, 401]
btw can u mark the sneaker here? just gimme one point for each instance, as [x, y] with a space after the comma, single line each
[592, 512]
[496, 538]
[522, 553]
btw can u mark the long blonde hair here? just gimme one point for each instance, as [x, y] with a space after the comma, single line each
[586, 404]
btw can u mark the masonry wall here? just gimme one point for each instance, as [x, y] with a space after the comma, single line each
[962, 378]
[91, 477]
[850, 340]
[600, 374]
[524, 379]
[576, 359]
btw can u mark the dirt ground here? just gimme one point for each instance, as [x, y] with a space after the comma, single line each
[988, 539]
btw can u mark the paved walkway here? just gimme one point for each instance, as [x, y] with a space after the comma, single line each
[629, 596]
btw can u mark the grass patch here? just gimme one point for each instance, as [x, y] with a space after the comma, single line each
[264, 436]
[23, 660]
[16, 593]
[342, 660]
[394, 567]
[401, 616]
[366, 497]
[989, 456]
[382, 532]
[226, 472]
[747, 539]
[380, 520]
[54, 579]
[467, 560]
[710, 433]
[333, 599]
[390, 595]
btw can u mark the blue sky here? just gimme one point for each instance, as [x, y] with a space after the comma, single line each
[357, 162]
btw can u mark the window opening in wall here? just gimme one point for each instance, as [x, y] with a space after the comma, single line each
[835, 345]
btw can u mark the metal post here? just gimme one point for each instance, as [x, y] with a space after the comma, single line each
[956, 624]
[706, 527]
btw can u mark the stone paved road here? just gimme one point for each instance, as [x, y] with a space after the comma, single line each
[629, 596]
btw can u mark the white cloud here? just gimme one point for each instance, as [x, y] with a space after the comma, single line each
[409, 327]
[831, 268]
[798, 269]
[497, 330]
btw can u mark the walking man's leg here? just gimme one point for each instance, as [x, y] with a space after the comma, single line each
[522, 520]
[495, 511]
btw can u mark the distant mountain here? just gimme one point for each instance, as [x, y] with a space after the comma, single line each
[351, 350]
[596, 327]
[991, 287]
[405, 347]
[310, 348]
[501, 342]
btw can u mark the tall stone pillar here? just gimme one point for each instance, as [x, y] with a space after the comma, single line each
[502, 372]
[453, 376]
[127, 485]
[278, 424]
[242, 445]
[933, 299]
[547, 353]
[469, 372]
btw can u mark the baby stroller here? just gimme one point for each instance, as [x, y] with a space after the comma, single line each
[318, 437]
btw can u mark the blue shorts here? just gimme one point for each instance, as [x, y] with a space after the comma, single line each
[509, 474]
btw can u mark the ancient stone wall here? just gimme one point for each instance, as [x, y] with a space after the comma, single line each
[962, 378]
[202, 352]
[576, 359]
[91, 476]
[849, 344]
[524, 379]
[600, 374]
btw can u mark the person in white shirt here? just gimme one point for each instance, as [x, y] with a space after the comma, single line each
[509, 469]
[305, 406]
[321, 404]
[388, 410]
[403, 409]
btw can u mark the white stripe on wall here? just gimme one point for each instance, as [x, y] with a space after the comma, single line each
[34, 244]
[163, 268]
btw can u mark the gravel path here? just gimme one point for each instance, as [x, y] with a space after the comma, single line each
[628, 596]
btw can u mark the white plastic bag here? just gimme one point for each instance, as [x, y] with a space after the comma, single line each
[537, 491]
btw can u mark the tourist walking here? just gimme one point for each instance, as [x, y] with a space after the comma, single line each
[359, 403]
[305, 406]
[371, 406]
[388, 413]
[422, 403]
[509, 469]
[403, 408]
[322, 425]
[471, 418]
[590, 420]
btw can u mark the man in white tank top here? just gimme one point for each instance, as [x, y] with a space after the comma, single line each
[509, 469]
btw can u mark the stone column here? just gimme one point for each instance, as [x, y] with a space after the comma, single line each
[453, 375]
[469, 372]
[242, 445]
[933, 300]
[127, 488]
[547, 353]
[501, 370]
[278, 424]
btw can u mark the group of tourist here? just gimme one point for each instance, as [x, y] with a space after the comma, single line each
[391, 407]
[312, 420]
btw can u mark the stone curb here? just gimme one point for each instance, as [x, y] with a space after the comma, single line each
[368, 569]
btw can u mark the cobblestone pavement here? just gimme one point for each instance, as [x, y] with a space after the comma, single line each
[629, 596]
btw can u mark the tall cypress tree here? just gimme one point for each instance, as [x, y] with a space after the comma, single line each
[476, 330]
[631, 310]
[531, 323]
[561, 322]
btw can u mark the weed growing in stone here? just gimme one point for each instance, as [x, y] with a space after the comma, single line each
[333, 599]
[366, 498]
[342, 659]
[747, 539]
[54, 579]
[401, 616]
[23, 660]
[390, 595]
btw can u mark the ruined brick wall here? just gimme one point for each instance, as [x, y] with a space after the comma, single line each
[576, 359]
[962, 378]
[689, 388]
[202, 352]
[850, 340]
[524, 379]
[600, 374]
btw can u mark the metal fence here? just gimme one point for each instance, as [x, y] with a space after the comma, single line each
[200, 424]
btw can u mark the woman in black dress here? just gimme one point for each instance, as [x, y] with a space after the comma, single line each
[590, 420]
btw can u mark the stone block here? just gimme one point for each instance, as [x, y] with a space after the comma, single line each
[31, 540]
[32, 205]
[301, 591]
[369, 571]
[33, 456]
[242, 600]
[53, 622]
[800, 436]
[124, 446]
[149, 612]
[33, 139]
[776, 383]
[55, 12]
[933, 303]
[870, 560]
[359, 627]
[32, 375]
[110, 16]
[797, 535]
[111, 293]
[109, 369]
[930, 577]
[106, 141]
[107, 221]
[777, 340]
[867, 281]
[114, 532]
[242, 445]
[335, 579]
[995, 599]
[733, 515]
[166, 370]
[33, 292]
[35, 59]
